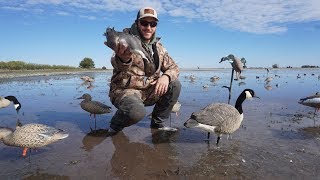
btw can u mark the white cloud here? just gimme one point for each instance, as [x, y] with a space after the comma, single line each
[254, 16]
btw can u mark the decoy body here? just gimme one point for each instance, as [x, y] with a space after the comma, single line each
[176, 107]
[93, 107]
[236, 64]
[87, 79]
[6, 101]
[311, 101]
[31, 136]
[268, 79]
[220, 118]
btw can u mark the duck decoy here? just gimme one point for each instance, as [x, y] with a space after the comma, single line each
[214, 78]
[87, 79]
[175, 109]
[31, 136]
[236, 64]
[268, 79]
[93, 107]
[6, 101]
[220, 118]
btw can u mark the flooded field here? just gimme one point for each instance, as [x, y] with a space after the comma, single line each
[278, 139]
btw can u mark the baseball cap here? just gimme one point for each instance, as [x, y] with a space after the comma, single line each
[147, 12]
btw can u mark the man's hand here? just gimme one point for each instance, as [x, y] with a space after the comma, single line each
[161, 85]
[122, 51]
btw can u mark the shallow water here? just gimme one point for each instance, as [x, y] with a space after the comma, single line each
[278, 139]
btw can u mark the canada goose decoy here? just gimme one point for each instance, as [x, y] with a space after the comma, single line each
[31, 136]
[93, 107]
[311, 101]
[236, 64]
[220, 118]
[6, 101]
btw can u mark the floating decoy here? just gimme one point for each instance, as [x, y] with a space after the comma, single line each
[87, 79]
[6, 101]
[93, 107]
[298, 76]
[268, 79]
[31, 136]
[220, 118]
[214, 78]
[206, 86]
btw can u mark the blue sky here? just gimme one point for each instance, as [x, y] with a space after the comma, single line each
[195, 33]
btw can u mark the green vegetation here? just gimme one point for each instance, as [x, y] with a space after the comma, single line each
[20, 65]
[86, 63]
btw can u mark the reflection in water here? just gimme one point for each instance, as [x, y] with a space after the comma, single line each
[88, 85]
[136, 160]
[268, 87]
[219, 162]
[41, 176]
[163, 136]
[242, 83]
[93, 139]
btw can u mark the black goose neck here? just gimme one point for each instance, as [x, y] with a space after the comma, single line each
[13, 99]
[239, 102]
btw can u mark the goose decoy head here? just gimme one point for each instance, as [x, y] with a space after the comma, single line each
[16, 103]
[250, 94]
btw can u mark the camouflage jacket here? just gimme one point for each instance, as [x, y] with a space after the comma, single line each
[130, 78]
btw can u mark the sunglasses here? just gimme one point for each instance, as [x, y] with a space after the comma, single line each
[146, 23]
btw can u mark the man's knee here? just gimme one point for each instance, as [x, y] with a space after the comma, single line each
[133, 108]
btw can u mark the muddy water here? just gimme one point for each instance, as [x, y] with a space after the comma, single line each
[278, 139]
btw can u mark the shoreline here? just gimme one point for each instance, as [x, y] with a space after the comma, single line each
[9, 74]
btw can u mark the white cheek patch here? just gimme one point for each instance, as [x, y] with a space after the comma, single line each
[248, 95]
[16, 106]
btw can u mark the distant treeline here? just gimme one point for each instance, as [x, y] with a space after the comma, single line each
[309, 66]
[20, 65]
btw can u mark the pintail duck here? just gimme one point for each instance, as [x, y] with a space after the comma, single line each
[31, 136]
[6, 101]
[236, 64]
[93, 107]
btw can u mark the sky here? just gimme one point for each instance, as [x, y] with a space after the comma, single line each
[196, 33]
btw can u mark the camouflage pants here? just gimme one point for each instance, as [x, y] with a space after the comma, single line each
[131, 108]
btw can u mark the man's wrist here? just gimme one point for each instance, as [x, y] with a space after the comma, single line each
[167, 76]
